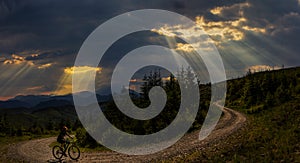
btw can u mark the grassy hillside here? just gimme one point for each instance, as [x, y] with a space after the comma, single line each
[270, 101]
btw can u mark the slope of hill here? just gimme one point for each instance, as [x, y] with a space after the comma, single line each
[271, 102]
[52, 103]
[14, 104]
[32, 100]
[44, 101]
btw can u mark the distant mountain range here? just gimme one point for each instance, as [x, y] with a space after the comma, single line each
[46, 101]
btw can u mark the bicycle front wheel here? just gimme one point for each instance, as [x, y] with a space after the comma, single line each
[74, 152]
[57, 152]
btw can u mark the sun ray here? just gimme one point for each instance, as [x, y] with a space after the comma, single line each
[64, 85]
[17, 74]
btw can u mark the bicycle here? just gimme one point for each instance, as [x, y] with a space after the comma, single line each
[73, 151]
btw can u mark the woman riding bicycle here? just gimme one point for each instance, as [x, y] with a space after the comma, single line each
[61, 137]
[66, 146]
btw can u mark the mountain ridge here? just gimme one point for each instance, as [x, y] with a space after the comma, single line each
[44, 101]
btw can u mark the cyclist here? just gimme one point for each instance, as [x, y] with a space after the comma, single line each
[61, 137]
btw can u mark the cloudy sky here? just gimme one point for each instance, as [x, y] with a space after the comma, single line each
[40, 39]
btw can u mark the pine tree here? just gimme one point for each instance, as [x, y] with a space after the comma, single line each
[249, 95]
[152, 80]
[145, 87]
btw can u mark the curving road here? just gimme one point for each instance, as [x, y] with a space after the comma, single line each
[39, 151]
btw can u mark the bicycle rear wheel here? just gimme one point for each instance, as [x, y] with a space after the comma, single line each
[57, 152]
[74, 152]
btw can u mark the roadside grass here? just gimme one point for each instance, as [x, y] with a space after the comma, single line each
[272, 135]
[6, 141]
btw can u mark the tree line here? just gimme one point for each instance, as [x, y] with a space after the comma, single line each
[258, 91]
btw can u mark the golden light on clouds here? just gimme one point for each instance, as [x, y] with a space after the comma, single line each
[216, 11]
[81, 69]
[34, 55]
[189, 33]
[231, 29]
[14, 56]
[133, 80]
[224, 30]
[220, 31]
[166, 79]
[44, 66]
[64, 85]
[259, 68]
[8, 62]
[184, 47]
[20, 60]
[254, 29]
[34, 88]
[16, 60]
[227, 30]
[238, 22]
[164, 31]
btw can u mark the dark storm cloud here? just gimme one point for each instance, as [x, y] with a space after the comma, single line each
[57, 24]
[48, 55]
[281, 19]
[51, 24]
[56, 29]
[262, 13]
[287, 29]
[6, 7]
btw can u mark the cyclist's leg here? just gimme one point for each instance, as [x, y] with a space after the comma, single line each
[63, 146]
[61, 141]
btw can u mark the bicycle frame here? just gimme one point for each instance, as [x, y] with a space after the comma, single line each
[59, 151]
[66, 146]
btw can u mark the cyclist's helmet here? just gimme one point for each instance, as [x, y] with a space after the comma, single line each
[65, 128]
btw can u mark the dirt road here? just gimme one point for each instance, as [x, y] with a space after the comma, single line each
[39, 151]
